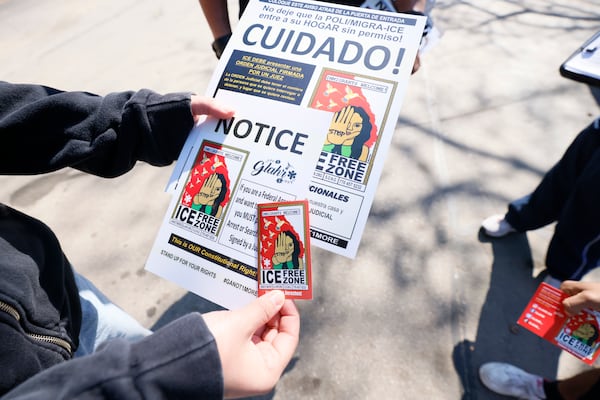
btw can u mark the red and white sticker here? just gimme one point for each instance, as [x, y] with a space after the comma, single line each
[284, 249]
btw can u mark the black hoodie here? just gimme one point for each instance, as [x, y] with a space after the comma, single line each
[42, 130]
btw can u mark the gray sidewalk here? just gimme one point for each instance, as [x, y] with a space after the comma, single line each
[428, 298]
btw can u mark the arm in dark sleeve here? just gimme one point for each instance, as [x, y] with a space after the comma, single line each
[179, 361]
[44, 129]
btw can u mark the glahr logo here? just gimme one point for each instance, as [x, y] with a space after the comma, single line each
[285, 173]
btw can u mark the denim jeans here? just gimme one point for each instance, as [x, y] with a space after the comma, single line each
[102, 320]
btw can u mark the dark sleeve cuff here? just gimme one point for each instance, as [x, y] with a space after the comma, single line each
[170, 121]
[179, 361]
[185, 361]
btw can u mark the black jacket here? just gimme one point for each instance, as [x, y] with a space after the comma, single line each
[42, 130]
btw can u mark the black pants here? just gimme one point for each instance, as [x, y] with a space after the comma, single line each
[551, 390]
[570, 195]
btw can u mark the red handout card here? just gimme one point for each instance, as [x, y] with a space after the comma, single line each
[544, 315]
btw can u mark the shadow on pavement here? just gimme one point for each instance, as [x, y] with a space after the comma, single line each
[498, 337]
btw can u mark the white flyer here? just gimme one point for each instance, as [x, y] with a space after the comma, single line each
[208, 242]
[336, 74]
[336, 58]
[352, 62]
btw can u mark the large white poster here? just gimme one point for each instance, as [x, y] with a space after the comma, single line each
[321, 86]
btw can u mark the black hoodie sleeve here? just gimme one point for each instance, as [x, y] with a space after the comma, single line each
[44, 129]
[179, 361]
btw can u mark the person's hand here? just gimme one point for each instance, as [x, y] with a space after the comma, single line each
[255, 343]
[417, 64]
[408, 6]
[581, 295]
[202, 105]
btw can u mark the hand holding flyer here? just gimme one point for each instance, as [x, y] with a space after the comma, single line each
[579, 335]
[208, 242]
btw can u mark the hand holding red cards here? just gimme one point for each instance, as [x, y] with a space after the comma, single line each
[568, 318]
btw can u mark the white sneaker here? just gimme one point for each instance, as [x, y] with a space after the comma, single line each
[496, 226]
[509, 380]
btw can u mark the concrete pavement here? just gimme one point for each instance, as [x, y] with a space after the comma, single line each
[428, 298]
